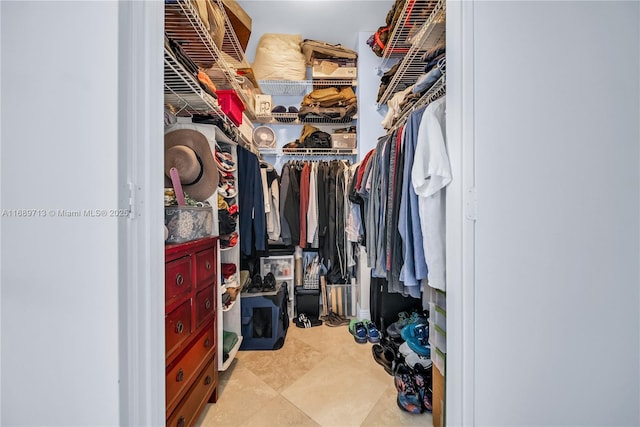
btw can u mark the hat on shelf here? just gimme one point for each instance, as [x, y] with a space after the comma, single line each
[189, 152]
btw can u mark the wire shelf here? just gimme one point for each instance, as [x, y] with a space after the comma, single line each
[430, 35]
[413, 16]
[309, 151]
[183, 92]
[294, 119]
[183, 25]
[300, 87]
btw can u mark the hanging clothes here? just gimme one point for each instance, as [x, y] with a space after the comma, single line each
[273, 213]
[430, 174]
[253, 228]
[414, 270]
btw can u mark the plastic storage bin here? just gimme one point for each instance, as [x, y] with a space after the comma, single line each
[231, 104]
[340, 299]
[282, 267]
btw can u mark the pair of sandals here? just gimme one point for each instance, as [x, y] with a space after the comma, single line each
[259, 285]
[302, 321]
[335, 319]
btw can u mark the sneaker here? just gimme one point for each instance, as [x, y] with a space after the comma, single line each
[269, 282]
[404, 319]
[415, 330]
[373, 335]
[408, 394]
[358, 331]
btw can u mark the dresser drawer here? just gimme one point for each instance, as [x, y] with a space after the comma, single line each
[177, 279]
[182, 371]
[205, 305]
[187, 413]
[177, 326]
[205, 268]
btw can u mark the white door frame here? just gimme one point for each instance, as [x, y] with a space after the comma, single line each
[461, 216]
[142, 257]
[141, 243]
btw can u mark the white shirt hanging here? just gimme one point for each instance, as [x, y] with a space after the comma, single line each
[430, 174]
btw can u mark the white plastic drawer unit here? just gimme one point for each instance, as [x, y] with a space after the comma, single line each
[282, 267]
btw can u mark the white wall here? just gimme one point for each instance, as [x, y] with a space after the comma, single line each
[59, 275]
[556, 104]
[331, 21]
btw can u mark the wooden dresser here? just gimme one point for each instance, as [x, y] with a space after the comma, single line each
[190, 329]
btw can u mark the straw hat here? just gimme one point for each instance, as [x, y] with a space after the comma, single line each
[189, 152]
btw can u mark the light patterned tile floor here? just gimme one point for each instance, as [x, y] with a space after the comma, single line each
[320, 377]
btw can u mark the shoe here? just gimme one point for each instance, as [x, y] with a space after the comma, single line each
[228, 241]
[404, 319]
[420, 346]
[373, 335]
[334, 319]
[302, 321]
[384, 357]
[408, 395]
[415, 330]
[269, 282]
[227, 191]
[256, 284]
[423, 378]
[414, 360]
[358, 331]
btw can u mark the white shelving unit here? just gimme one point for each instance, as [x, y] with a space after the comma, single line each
[229, 318]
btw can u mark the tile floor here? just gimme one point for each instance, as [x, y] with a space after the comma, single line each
[320, 377]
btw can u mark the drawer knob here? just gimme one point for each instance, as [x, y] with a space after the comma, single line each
[207, 304]
[181, 422]
[207, 380]
[180, 375]
[208, 265]
[179, 279]
[179, 327]
[207, 343]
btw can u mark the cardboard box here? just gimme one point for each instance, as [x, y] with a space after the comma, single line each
[246, 128]
[240, 21]
[343, 140]
[334, 69]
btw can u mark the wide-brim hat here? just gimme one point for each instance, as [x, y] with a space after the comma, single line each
[190, 153]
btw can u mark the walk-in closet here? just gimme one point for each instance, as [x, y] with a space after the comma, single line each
[319, 213]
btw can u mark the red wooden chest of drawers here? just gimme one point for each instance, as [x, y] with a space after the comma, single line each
[190, 329]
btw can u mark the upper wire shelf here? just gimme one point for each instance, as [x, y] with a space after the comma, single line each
[413, 16]
[182, 24]
[428, 36]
